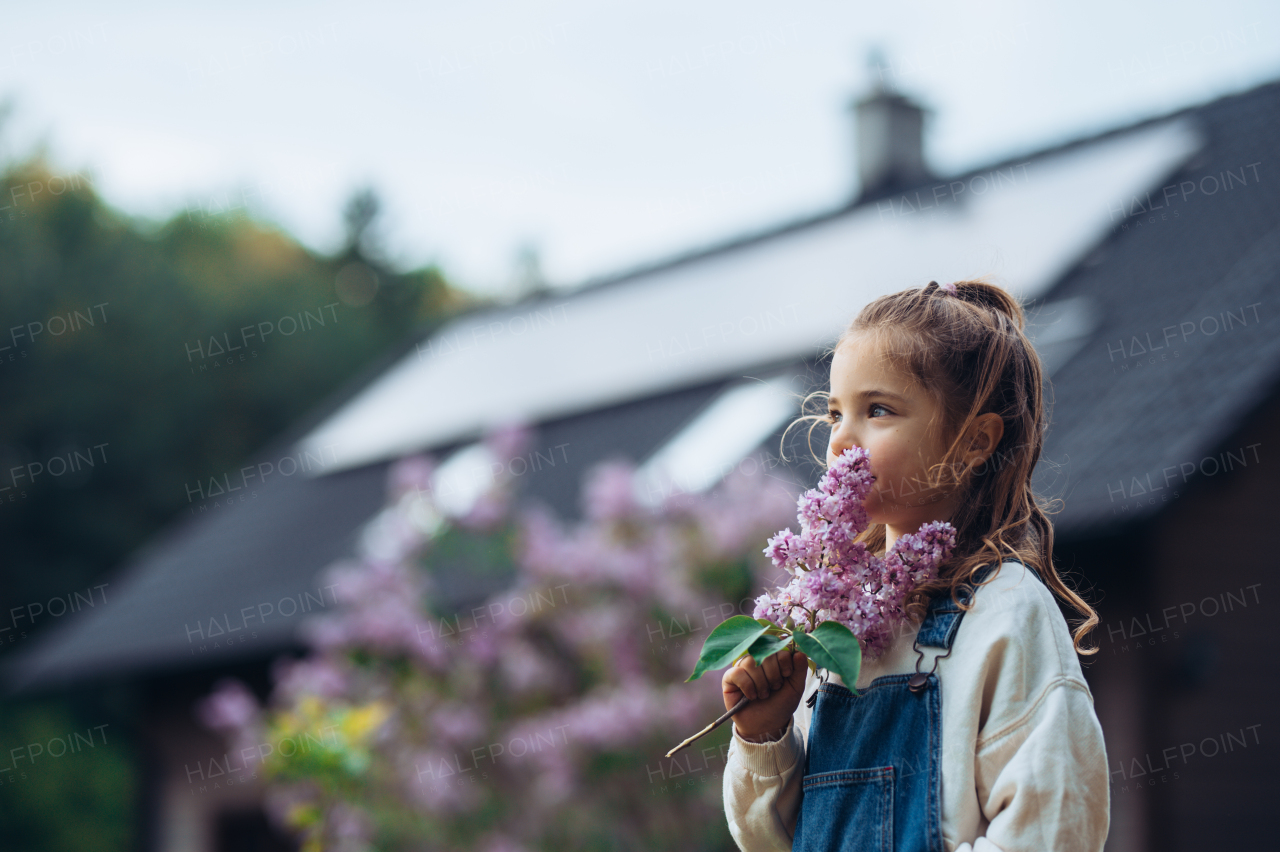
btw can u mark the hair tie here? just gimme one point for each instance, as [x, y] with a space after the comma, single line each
[949, 288]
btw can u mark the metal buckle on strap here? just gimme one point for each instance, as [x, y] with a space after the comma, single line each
[918, 681]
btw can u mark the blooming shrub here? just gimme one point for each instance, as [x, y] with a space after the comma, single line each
[537, 717]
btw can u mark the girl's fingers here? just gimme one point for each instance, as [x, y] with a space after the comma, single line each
[739, 677]
[756, 675]
[773, 672]
[758, 681]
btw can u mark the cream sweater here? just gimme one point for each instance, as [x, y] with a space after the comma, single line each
[1023, 766]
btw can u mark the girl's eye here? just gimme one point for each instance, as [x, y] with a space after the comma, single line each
[832, 415]
[876, 405]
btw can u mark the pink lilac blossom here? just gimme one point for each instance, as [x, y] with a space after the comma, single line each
[498, 842]
[556, 781]
[233, 711]
[600, 684]
[523, 668]
[456, 723]
[230, 707]
[608, 491]
[748, 500]
[411, 474]
[836, 578]
[508, 441]
[350, 824]
[432, 776]
[320, 676]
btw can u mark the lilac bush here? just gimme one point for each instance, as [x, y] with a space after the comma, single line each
[534, 718]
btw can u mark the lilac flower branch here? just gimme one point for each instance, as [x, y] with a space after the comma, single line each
[860, 594]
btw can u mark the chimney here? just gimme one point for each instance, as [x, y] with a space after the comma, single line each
[889, 135]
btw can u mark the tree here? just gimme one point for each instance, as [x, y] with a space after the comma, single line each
[122, 393]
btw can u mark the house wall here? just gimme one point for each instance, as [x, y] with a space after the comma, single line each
[1184, 683]
[1214, 694]
[204, 799]
[1110, 572]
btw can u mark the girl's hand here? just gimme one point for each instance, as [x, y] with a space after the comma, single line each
[774, 688]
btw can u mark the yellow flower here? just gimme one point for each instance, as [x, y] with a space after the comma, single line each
[302, 815]
[311, 707]
[359, 722]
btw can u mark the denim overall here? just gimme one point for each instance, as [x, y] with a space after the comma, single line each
[872, 773]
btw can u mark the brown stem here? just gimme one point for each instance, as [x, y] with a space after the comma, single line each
[709, 728]
[742, 702]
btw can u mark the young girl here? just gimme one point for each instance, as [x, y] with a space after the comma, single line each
[975, 730]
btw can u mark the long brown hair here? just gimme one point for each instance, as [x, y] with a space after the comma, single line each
[967, 349]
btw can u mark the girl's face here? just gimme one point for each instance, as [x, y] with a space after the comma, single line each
[874, 406]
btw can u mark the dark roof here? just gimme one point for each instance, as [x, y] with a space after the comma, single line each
[267, 544]
[1118, 422]
[1204, 268]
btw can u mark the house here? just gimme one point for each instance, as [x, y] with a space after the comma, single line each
[1148, 258]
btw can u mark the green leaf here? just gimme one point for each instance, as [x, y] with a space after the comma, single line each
[771, 628]
[727, 643]
[766, 646]
[834, 647]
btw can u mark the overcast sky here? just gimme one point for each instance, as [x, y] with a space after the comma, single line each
[603, 134]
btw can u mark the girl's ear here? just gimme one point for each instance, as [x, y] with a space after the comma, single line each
[984, 435]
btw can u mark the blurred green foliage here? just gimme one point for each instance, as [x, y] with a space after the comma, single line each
[110, 336]
[57, 797]
[111, 328]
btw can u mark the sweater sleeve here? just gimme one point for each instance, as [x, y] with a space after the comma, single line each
[1042, 782]
[762, 785]
[762, 791]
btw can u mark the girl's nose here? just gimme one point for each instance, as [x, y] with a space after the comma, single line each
[841, 440]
